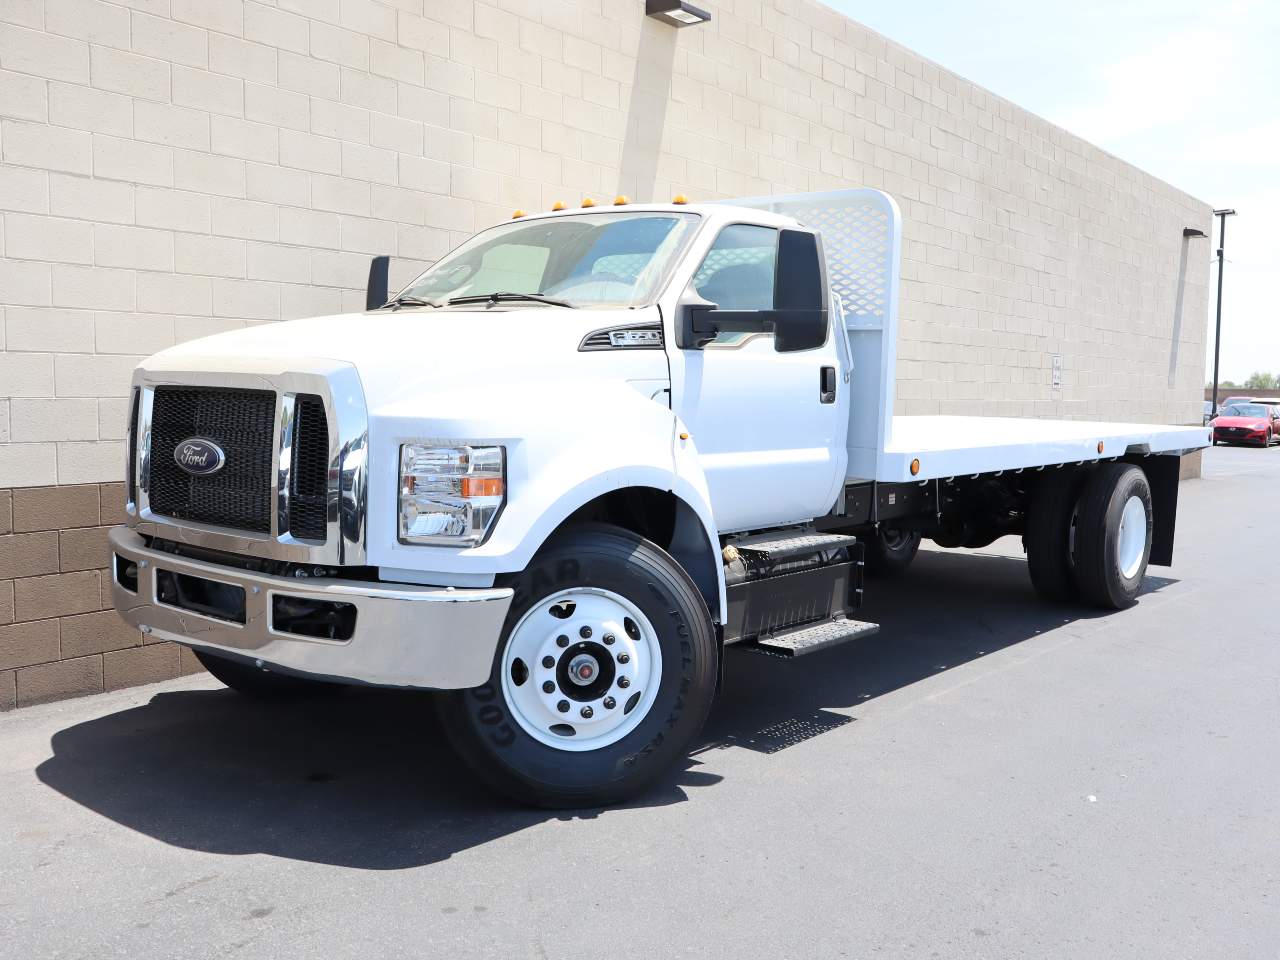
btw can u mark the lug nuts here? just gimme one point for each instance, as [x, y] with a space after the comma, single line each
[624, 658]
[548, 687]
[584, 632]
[563, 706]
[586, 713]
[548, 661]
[624, 682]
[562, 641]
[610, 703]
[609, 639]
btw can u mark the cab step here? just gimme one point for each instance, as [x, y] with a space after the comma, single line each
[810, 639]
[773, 547]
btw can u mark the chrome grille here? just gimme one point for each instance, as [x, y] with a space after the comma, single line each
[240, 422]
[309, 469]
[304, 433]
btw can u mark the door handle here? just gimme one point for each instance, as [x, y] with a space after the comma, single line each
[827, 385]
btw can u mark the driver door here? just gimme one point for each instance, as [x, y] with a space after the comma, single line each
[769, 426]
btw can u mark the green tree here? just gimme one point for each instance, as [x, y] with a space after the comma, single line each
[1261, 380]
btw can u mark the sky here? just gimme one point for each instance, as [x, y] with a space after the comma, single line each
[1187, 91]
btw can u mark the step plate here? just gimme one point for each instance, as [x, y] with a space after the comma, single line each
[800, 544]
[811, 639]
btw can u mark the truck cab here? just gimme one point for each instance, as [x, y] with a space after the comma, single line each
[557, 475]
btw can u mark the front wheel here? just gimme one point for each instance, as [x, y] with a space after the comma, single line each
[603, 677]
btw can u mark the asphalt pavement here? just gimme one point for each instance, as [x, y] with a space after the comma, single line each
[988, 777]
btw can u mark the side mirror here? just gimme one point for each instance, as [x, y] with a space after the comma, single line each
[375, 292]
[798, 319]
[799, 292]
[698, 322]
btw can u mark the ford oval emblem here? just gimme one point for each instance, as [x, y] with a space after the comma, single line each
[199, 457]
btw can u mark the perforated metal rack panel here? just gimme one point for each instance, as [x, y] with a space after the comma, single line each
[861, 238]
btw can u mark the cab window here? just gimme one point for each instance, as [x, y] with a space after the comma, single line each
[738, 271]
[737, 274]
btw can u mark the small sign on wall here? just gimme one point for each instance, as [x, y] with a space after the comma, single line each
[1056, 371]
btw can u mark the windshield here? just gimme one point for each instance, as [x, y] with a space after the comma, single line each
[1244, 410]
[604, 259]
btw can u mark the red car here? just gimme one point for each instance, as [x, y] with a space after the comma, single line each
[1252, 423]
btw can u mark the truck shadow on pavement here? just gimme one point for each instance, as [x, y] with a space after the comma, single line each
[366, 780]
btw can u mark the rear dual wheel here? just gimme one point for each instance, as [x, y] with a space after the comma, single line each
[603, 677]
[890, 550]
[1089, 536]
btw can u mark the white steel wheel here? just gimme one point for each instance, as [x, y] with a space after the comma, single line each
[1131, 538]
[1113, 535]
[581, 669]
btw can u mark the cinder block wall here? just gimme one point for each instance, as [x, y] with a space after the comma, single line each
[59, 635]
[173, 168]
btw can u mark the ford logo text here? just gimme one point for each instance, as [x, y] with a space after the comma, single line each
[199, 457]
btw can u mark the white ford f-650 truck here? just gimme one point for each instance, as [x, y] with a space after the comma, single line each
[573, 462]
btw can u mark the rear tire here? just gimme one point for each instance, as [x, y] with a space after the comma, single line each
[1113, 535]
[251, 681]
[890, 550]
[601, 596]
[1048, 539]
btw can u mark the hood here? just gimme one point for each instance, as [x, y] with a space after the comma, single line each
[417, 352]
[1254, 423]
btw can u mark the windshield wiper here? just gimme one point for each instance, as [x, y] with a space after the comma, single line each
[506, 297]
[408, 300]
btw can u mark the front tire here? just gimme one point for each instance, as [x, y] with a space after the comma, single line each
[604, 675]
[1113, 535]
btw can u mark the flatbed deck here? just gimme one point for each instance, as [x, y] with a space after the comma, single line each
[962, 446]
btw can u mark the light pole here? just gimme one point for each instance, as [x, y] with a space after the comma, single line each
[1217, 328]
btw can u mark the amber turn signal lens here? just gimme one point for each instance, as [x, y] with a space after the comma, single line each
[1099, 446]
[481, 487]
[558, 205]
[915, 467]
[588, 202]
[680, 199]
[517, 215]
[621, 200]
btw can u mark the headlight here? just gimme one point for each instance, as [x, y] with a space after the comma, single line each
[449, 495]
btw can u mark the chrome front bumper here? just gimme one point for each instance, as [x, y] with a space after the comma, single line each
[405, 636]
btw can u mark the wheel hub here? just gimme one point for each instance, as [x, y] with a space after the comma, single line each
[585, 672]
[581, 694]
[582, 669]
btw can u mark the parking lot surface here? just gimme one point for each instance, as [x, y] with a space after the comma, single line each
[987, 777]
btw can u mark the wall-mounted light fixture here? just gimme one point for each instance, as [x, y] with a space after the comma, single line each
[677, 13]
[1193, 232]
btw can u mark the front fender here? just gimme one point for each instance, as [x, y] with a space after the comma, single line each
[564, 449]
